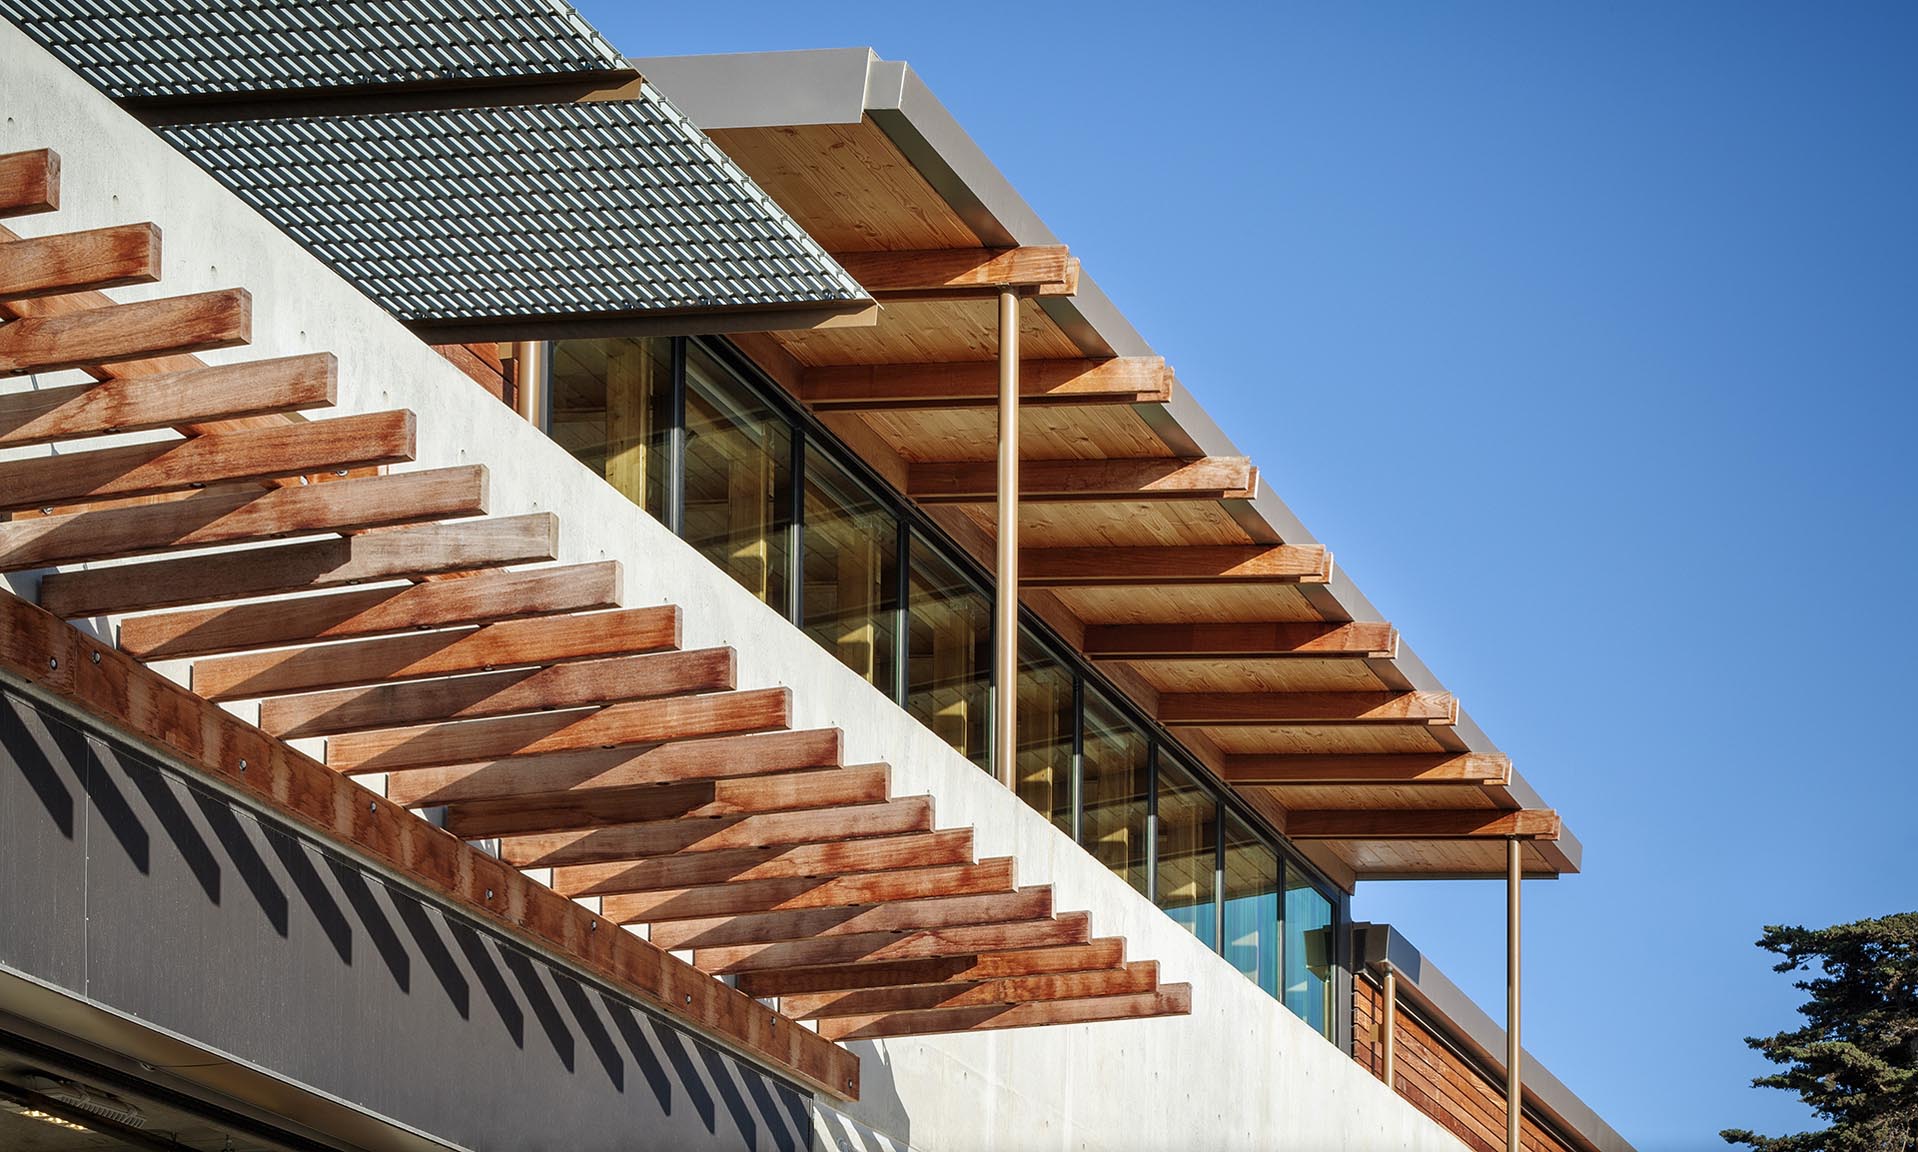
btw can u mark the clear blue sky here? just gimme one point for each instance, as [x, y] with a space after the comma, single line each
[1587, 338]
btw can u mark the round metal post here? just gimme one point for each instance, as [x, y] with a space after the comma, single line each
[1514, 856]
[1006, 596]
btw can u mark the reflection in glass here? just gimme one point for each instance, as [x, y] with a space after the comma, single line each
[1188, 822]
[1308, 953]
[949, 650]
[1115, 784]
[1251, 905]
[611, 408]
[1044, 775]
[851, 571]
[738, 480]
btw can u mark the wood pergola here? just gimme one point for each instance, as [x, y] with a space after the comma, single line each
[429, 643]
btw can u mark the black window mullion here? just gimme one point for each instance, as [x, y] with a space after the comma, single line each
[902, 613]
[675, 509]
[1152, 820]
[796, 529]
[1077, 785]
[1218, 873]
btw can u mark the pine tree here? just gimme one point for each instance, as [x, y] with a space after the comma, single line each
[1855, 1062]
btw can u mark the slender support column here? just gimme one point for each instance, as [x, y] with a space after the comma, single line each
[529, 380]
[1513, 859]
[1389, 1026]
[1005, 616]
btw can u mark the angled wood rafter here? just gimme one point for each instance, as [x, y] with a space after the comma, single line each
[826, 923]
[1255, 709]
[951, 846]
[79, 261]
[742, 896]
[1065, 928]
[893, 387]
[1118, 980]
[1240, 640]
[29, 182]
[1423, 824]
[772, 829]
[195, 395]
[1103, 953]
[1166, 1000]
[1058, 481]
[1468, 768]
[1198, 564]
[117, 332]
[957, 273]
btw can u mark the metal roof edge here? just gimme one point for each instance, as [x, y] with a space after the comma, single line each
[1431, 989]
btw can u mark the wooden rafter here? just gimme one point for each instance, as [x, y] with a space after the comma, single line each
[762, 830]
[1199, 564]
[1166, 1000]
[1466, 768]
[957, 273]
[1103, 953]
[1240, 640]
[79, 261]
[1056, 481]
[896, 387]
[919, 850]
[936, 912]
[1065, 928]
[1257, 709]
[116, 332]
[195, 395]
[742, 896]
[1119, 980]
[1423, 824]
[29, 182]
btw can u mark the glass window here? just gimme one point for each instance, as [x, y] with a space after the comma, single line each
[1251, 905]
[1188, 850]
[949, 650]
[852, 564]
[1309, 952]
[1114, 784]
[612, 409]
[738, 482]
[1044, 775]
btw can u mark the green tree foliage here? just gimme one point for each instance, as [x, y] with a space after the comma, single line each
[1855, 1062]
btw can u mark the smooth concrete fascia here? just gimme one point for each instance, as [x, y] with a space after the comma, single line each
[1447, 1006]
[844, 85]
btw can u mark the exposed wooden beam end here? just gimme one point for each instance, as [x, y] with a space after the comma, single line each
[1423, 824]
[1471, 769]
[1241, 640]
[29, 182]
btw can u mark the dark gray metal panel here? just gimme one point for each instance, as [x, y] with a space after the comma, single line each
[209, 920]
[43, 801]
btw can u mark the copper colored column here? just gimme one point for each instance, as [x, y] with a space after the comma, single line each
[1005, 607]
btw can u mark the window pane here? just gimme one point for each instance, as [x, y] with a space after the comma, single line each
[1188, 850]
[851, 568]
[738, 479]
[949, 646]
[1309, 953]
[1251, 905]
[1044, 776]
[611, 410]
[1115, 782]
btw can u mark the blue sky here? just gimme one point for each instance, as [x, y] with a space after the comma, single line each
[1587, 338]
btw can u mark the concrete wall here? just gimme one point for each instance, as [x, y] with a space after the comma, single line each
[1240, 1072]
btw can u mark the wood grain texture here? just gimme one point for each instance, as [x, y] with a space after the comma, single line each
[742, 896]
[1437, 768]
[1063, 481]
[79, 261]
[244, 515]
[1104, 953]
[29, 182]
[948, 273]
[1158, 567]
[1424, 824]
[138, 331]
[933, 912]
[387, 554]
[905, 387]
[1067, 928]
[1123, 980]
[196, 395]
[717, 834]
[1245, 639]
[170, 465]
[950, 846]
[1261, 709]
[1166, 1000]
[482, 597]
[863, 784]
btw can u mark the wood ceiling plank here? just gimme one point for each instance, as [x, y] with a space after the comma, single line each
[1465, 768]
[716, 758]
[907, 387]
[115, 332]
[143, 403]
[168, 465]
[1066, 928]
[1271, 638]
[1068, 481]
[387, 554]
[566, 685]
[1215, 709]
[79, 261]
[1140, 976]
[932, 913]
[932, 332]
[1423, 824]
[244, 515]
[483, 597]
[956, 273]
[1204, 564]
[765, 830]
[639, 722]
[742, 896]
[946, 847]
[1105, 952]
[501, 645]
[1166, 1000]
[29, 182]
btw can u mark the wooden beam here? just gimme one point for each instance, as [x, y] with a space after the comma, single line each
[718, 758]
[569, 685]
[894, 387]
[79, 261]
[1242, 640]
[244, 515]
[1066, 928]
[1422, 824]
[1062, 481]
[1441, 768]
[703, 801]
[935, 912]
[956, 273]
[387, 554]
[117, 332]
[196, 395]
[170, 465]
[742, 896]
[1257, 709]
[1196, 564]
[949, 846]
[480, 598]
[765, 830]
[640, 722]
[29, 182]
[1104, 953]
[1166, 1000]
[1122, 980]
[507, 644]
